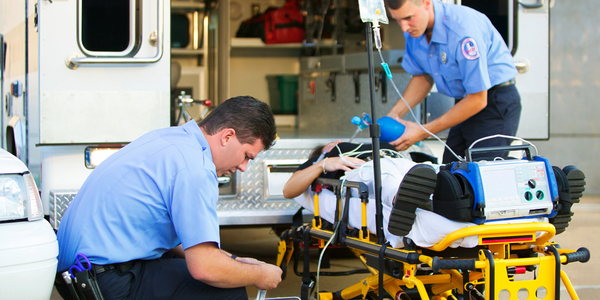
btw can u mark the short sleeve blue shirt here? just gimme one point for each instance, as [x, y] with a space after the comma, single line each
[466, 54]
[159, 191]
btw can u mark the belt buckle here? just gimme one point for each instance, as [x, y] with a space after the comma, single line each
[98, 269]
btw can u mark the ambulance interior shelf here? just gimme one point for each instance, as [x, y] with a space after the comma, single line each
[238, 42]
[256, 47]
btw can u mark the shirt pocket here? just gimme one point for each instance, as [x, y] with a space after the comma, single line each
[453, 80]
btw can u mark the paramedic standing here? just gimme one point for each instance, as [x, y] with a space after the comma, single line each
[459, 50]
[146, 217]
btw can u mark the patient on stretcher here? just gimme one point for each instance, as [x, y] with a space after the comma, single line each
[407, 189]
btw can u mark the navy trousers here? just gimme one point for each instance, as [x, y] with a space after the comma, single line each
[500, 116]
[164, 278]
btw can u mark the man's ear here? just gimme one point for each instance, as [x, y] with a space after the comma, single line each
[427, 4]
[226, 135]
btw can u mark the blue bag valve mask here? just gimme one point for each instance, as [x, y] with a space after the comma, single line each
[390, 129]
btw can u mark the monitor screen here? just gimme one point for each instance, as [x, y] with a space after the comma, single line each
[499, 183]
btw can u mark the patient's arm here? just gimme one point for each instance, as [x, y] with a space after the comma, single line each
[301, 180]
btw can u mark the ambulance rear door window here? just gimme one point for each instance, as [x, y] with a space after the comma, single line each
[107, 26]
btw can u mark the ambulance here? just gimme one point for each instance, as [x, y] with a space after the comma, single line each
[82, 78]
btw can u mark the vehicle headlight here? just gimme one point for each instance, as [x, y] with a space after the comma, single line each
[19, 198]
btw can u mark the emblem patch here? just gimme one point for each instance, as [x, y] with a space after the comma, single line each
[469, 48]
[444, 58]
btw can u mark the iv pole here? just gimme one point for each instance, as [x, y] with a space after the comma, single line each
[375, 133]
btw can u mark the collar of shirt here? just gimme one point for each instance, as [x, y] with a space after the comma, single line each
[193, 129]
[439, 35]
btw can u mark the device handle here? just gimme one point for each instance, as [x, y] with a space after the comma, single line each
[526, 148]
[582, 254]
[73, 61]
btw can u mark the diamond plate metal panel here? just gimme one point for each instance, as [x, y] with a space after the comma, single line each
[59, 201]
[250, 196]
[251, 186]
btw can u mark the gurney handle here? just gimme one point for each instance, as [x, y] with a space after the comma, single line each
[547, 231]
[582, 254]
[457, 264]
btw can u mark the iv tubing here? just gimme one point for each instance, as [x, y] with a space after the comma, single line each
[377, 37]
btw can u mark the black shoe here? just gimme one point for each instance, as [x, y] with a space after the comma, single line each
[571, 184]
[414, 191]
[563, 210]
[576, 182]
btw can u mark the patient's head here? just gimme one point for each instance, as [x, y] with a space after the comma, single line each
[318, 150]
[338, 147]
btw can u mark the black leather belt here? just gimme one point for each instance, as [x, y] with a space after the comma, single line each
[122, 267]
[497, 86]
[507, 83]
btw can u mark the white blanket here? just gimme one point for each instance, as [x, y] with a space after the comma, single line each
[429, 228]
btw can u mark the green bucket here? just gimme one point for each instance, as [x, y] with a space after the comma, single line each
[283, 93]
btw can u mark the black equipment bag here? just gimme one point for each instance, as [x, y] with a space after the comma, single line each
[453, 197]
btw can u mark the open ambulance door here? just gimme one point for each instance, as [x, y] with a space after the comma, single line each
[524, 25]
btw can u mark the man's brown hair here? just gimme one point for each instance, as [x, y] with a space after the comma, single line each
[250, 118]
[395, 4]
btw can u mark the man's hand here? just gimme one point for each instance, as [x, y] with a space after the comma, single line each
[271, 273]
[271, 276]
[207, 263]
[467, 107]
[413, 133]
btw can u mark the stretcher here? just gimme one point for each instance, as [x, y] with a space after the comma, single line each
[507, 261]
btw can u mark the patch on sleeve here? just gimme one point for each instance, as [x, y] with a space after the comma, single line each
[469, 48]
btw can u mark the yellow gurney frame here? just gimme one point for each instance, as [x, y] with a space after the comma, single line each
[503, 251]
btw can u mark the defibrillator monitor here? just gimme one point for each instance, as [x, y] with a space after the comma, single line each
[509, 189]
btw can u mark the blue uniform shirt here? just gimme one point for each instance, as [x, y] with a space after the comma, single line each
[466, 54]
[159, 191]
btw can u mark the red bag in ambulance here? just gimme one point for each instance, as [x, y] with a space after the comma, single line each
[276, 25]
[284, 25]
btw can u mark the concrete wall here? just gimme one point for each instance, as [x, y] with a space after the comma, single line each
[575, 89]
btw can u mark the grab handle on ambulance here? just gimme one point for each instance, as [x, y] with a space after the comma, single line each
[523, 65]
[73, 61]
[537, 4]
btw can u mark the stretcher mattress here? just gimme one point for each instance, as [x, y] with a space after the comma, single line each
[429, 228]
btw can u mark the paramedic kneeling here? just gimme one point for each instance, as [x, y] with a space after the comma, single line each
[459, 50]
[146, 217]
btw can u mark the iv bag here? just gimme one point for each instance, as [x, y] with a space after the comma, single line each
[371, 10]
